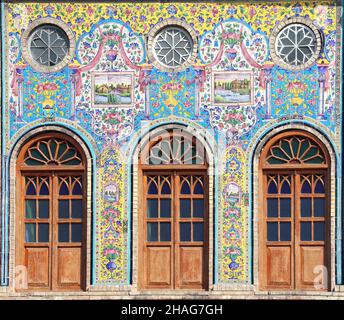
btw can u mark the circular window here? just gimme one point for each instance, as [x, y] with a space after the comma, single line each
[295, 45]
[172, 47]
[48, 45]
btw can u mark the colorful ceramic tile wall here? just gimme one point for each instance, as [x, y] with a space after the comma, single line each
[110, 42]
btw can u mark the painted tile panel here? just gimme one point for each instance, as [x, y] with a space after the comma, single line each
[233, 48]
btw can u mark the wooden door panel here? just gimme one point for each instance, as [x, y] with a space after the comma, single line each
[312, 234]
[191, 267]
[279, 266]
[159, 266]
[174, 231]
[51, 192]
[310, 258]
[37, 263]
[69, 270]
[294, 209]
[69, 266]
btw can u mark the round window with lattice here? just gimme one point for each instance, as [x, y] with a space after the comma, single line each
[48, 45]
[295, 44]
[173, 47]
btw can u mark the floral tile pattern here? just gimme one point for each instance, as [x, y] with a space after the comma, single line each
[110, 38]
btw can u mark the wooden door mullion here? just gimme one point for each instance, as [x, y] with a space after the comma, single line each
[175, 218]
[262, 224]
[296, 227]
[206, 230]
[327, 217]
[51, 210]
[54, 226]
[142, 279]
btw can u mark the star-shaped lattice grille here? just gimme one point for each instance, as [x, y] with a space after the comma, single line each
[173, 46]
[296, 44]
[49, 45]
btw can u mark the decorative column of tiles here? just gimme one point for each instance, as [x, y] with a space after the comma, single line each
[233, 210]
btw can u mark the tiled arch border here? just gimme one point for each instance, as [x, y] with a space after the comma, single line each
[132, 155]
[87, 148]
[254, 150]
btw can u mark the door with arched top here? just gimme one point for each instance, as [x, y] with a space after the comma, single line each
[294, 213]
[173, 221]
[50, 215]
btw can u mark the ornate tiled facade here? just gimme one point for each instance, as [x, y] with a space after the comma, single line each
[111, 39]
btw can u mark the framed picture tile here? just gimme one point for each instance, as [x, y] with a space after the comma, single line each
[112, 89]
[232, 88]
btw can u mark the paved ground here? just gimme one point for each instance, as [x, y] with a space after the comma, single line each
[119, 295]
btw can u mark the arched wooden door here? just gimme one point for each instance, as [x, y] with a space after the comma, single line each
[50, 215]
[294, 213]
[173, 220]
